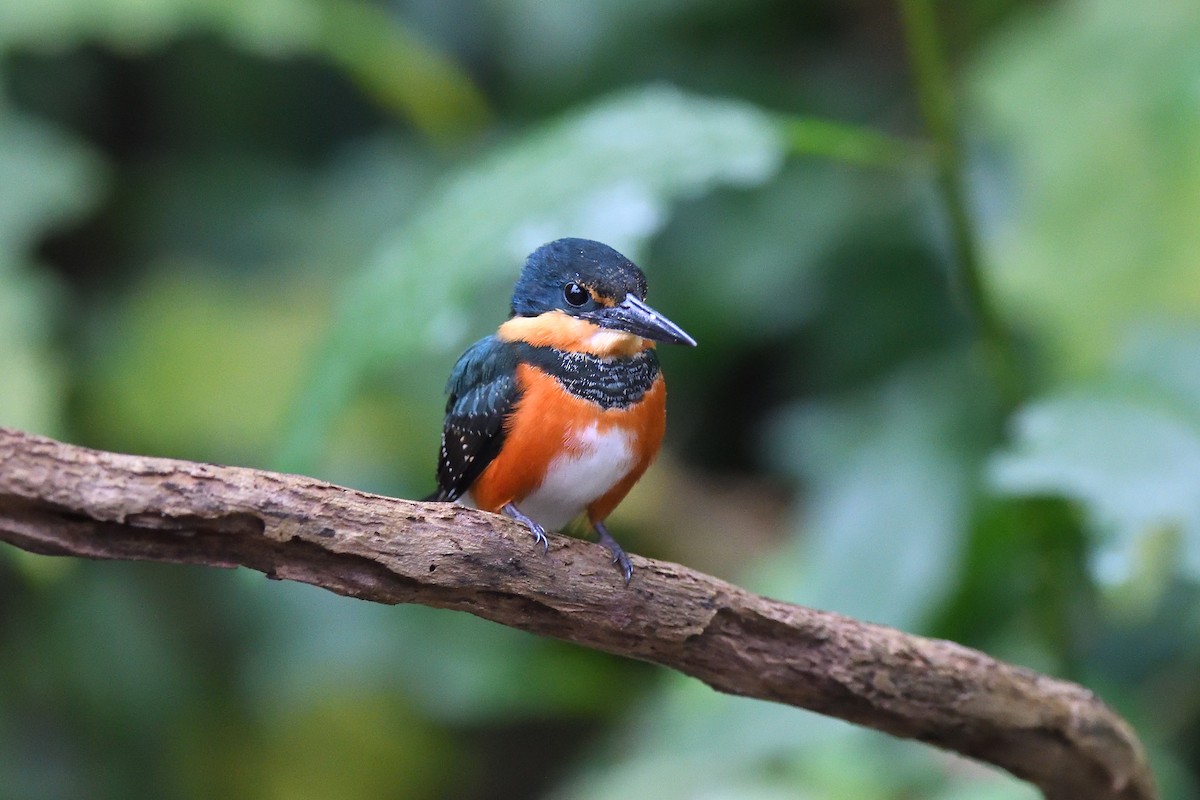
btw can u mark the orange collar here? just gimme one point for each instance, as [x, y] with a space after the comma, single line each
[561, 331]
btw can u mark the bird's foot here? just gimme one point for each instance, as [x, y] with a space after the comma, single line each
[539, 533]
[618, 554]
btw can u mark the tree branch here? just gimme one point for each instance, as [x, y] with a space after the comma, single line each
[58, 499]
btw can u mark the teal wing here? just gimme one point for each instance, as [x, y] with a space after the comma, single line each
[482, 393]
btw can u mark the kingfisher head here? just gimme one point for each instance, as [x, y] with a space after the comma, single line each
[573, 283]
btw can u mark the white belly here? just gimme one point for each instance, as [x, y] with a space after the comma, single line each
[574, 480]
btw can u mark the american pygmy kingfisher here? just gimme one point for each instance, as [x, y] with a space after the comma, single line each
[564, 407]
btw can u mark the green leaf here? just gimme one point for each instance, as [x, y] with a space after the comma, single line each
[392, 63]
[891, 476]
[1127, 450]
[1165, 358]
[276, 26]
[850, 143]
[1134, 466]
[607, 172]
[47, 179]
[31, 374]
[402, 71]
[456, 668]
[1094, 107]
[210, 383]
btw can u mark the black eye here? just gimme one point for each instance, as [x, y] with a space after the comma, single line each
[575, 295]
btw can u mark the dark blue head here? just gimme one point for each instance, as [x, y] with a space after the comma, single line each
[591, 281]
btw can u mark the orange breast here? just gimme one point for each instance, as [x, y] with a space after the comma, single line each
[548, 422]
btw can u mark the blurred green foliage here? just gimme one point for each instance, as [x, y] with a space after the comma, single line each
[260, 233]
[49, 177]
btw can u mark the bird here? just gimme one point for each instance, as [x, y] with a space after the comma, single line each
[563, 408]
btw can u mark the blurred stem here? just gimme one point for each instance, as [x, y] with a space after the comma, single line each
[1059, 587]
[937, 106]
[849, 143]
[403, 72]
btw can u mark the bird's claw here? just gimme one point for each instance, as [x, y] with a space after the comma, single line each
[539, 536]
[539, 533]
[625, 564]
[618, 553]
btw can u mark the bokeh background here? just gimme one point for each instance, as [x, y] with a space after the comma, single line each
[951, 390]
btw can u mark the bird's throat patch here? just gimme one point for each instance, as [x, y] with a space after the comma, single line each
[609, 382]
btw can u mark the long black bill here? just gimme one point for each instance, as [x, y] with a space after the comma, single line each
[636, 317]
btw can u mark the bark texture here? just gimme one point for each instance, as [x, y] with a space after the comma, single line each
[58, 499]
